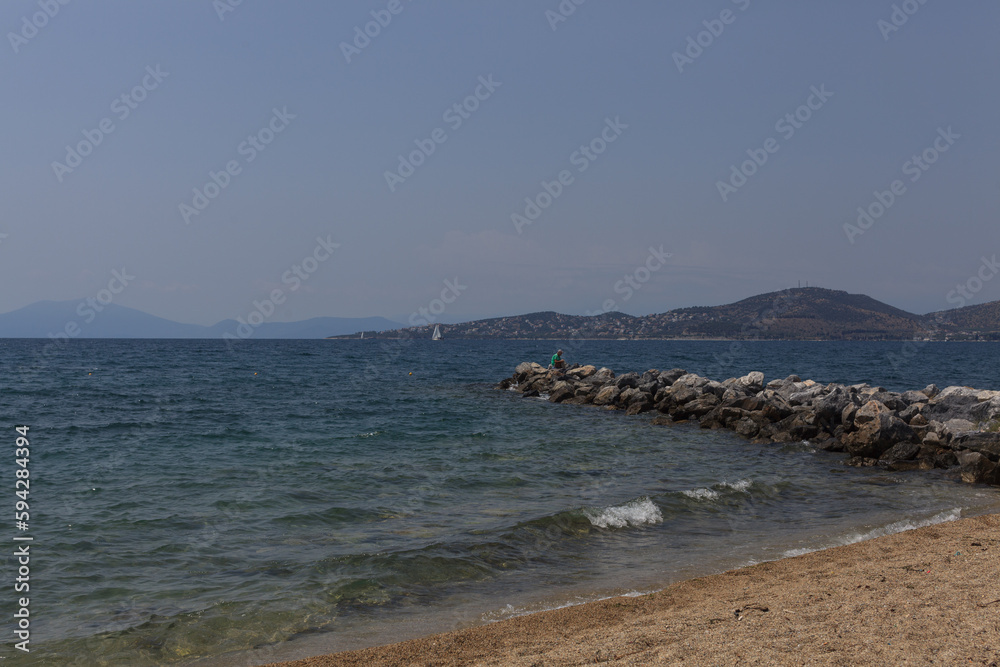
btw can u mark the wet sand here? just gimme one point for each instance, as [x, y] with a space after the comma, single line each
[926, 596]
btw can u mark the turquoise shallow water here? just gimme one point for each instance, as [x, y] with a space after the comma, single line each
[195, 505]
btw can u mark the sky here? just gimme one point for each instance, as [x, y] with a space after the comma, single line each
[204, 160]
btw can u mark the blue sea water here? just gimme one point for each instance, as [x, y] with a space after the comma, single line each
[194, 504]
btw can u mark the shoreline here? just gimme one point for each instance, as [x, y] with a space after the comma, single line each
[929, 594]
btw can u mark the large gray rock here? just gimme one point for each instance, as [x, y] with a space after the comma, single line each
[667, 378]
[954, 427]
[607, 395]
[602, 376]
[976, 468]
[713, 387]
[582, 372]
[870, 412]
[526, 368]
[696, 408]
[751, 383]
[692, 380]
[985, 443]
[799, 426]
[889, 399]
[679, 394]
[874, 437]
[749, 403]
[911, 397]
[806, 396]
[561, 391]
[628, 380]
[830, 407]
[903, 451]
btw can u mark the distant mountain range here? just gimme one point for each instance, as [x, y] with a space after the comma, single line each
[808, 313]
[79, 320]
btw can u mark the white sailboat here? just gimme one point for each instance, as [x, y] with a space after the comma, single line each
[362, 335]
[437, 333]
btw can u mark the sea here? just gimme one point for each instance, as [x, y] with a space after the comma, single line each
[193, 503]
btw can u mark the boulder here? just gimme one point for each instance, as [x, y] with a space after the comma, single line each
[667, 378]
[975, 468]
[626, 395]
[561, 391]
[607, 396]
[649, 388]
[582, 372]
[918, 420]
[911, 397]
[692, 380]
[903, 451]
[747, 427]
[930, 391]
[869, 412]
[637, 407]
[749, 403]
[722, 416]
[627, 381]
[679, 394]
[698, 407]
[910, 412]
[799, 426]
[986, 443]
[954, 403]
[806, 396]
[752, 382]
[874, 437]
[847, 415]
[889, 399]
[953, 427]
[775, 407]
[715, 388]
[526, 368]
[829, 408]
[830, 445]
[602, 376]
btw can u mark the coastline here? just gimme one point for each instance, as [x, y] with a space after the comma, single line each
[926, 595]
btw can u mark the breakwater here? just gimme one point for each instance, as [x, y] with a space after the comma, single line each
[955, 428]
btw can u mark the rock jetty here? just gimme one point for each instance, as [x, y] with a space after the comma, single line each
[954, 428]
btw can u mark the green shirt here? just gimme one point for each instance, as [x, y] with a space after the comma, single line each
[555, 358]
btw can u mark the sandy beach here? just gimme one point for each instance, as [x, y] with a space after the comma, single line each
[925, 596]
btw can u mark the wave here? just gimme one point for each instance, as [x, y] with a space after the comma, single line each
[720, 489]
[639, 512]
[891, 529]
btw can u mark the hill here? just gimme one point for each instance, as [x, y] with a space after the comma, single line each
[40, 319]
[806, 313]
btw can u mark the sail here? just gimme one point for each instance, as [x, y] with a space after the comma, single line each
[437, 333]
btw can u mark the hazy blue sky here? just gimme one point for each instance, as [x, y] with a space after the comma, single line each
[219, 81]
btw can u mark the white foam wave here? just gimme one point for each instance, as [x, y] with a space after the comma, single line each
[510, 611]
[639, 512]
[702, 493]
[739, 485]
[890, 529]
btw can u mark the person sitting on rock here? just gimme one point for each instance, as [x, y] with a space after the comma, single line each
[557, 360]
